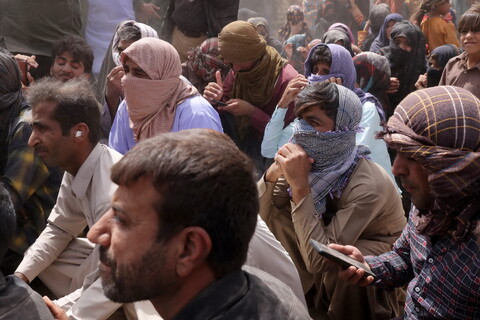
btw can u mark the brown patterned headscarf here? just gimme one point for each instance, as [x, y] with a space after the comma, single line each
[439, 127]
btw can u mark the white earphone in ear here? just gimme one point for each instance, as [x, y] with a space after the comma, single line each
[79, 133]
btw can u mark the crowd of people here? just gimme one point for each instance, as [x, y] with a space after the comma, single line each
[173, 159]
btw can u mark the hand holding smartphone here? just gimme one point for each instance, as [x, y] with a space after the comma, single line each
[220, 103]
[339, 258]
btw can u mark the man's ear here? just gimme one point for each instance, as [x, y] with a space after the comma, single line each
[80, 131]
[195, 246]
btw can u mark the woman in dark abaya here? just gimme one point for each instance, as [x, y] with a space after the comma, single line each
[406, 54]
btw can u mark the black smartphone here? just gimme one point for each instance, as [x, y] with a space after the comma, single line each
[338, 257]
[220, 103]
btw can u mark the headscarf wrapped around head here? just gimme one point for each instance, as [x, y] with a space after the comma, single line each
[145, 31]
[373, 72]
[441, 55]
[345, 29]
[341, 67]
[260, 21]
[373, 76]
[381, 40]
[439, 128]
[204, 60]
[239, 42]
[404, 65]
[335, 152]
[377, 16]
[152, 102]
[294, 16]
[378, 13]
[335, 35]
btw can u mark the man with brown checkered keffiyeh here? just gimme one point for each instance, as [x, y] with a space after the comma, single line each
[436, 133]
[440, 129]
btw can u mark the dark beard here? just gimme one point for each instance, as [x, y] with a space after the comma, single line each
[143, 280]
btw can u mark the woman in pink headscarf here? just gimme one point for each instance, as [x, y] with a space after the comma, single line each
[157, 98]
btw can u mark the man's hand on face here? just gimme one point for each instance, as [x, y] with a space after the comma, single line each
[295, 165]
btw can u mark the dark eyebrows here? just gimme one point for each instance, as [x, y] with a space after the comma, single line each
[38, 124]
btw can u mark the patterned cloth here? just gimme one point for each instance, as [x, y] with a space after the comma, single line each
[443, 277]
[310, 11]
[34, 186]
[373, 75]
[204, 60]
[294, 17]
[439, 128]
[373, 72]
[31, 184]
[335, 152]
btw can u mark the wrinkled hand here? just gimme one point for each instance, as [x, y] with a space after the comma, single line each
[238, 107]
[149, 11]
[57, 312]
[214, 90]
[421, 82]
[394, 85]
[291, 91]
[295, 165]
[353, 275]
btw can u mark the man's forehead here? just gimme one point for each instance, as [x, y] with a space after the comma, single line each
[66, 56]
[43, 109]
